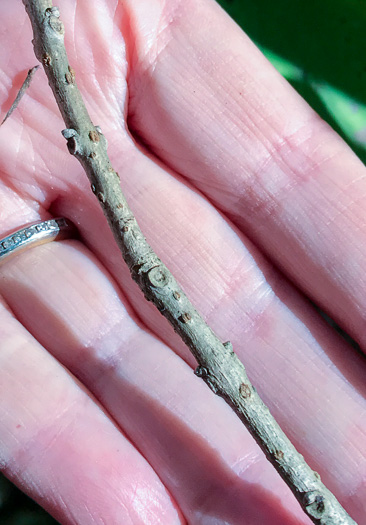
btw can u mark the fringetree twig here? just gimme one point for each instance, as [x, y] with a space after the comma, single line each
[22, 90]
[218, 366]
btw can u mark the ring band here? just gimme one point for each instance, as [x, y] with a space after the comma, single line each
[35, 234]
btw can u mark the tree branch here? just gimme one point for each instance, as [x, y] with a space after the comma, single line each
[22, 90]
[218, 366]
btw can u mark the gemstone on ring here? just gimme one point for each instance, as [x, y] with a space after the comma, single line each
[35, 234]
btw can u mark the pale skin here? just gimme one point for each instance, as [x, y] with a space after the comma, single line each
[101, 417]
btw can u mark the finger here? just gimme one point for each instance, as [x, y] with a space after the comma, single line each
[208, 103]
[34, 129]
[284, 345]
[200, 451]
[60, 447]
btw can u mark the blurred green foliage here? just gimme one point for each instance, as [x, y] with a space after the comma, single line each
[17, 509]
[320, 48]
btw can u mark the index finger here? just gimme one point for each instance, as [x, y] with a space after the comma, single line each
[211, 106]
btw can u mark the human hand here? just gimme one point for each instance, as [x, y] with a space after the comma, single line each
[138, 438]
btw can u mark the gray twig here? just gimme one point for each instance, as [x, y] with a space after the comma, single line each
[218, 366]
[21, 92]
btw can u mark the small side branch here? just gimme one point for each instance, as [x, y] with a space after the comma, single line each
[21, 92]
[218, 366]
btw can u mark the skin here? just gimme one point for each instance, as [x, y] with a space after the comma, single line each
[102, 420]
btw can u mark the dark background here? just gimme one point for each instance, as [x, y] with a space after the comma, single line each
[320, 48]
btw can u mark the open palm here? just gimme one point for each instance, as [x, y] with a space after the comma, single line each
[101, 417]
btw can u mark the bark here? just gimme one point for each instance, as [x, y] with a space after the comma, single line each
[218, 366]
[22, 90]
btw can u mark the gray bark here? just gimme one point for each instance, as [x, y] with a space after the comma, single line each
[22, 90]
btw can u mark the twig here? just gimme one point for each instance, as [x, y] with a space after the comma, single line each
[218, 366]
[22, 90]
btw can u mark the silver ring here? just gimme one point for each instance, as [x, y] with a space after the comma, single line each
[34, 235]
